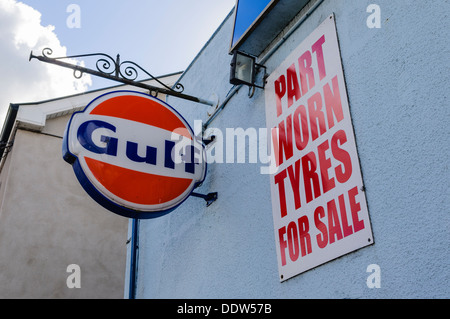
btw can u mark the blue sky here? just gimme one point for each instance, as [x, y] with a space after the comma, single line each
[161, 36]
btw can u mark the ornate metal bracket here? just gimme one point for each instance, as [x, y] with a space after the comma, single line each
[125, 72]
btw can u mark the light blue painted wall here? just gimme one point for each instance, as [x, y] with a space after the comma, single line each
[398, 81]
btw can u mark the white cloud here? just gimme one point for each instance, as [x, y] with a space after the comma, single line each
[20, 80]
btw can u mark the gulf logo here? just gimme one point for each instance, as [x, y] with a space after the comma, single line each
[134, 154]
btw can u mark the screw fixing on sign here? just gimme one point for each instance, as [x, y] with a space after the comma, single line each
[134, 154]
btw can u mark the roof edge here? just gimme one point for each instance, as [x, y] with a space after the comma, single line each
[33, 115]
[96, 90]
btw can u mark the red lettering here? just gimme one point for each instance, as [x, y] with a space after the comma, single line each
[283, 245]
[325, 164]
[276, 149]
[292, 235]
[355, 208]
[309, 164]
[316, 116]
[294, 176]
[333, 102]
[296, 84]
[342, 175]
[318, 124]
[301, 131]
[305, 238]
[334, 226]
[293, 88]
[280, 91]
[337, 226]
[322, 239]
[285, 145]
[279, 180]
[347, 230]
[293, 243]
[306, 72]
[317, 48]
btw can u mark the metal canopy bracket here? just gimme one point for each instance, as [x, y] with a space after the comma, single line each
[113, 69]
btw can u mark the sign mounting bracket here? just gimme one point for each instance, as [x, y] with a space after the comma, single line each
[209, 198]
[113, 69]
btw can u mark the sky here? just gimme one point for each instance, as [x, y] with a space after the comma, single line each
[161, 36]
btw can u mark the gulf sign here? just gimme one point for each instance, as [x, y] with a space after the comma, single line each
[134, 154]
[319, 203]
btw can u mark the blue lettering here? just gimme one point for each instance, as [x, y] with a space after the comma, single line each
[86, 130]
[132, 154]
[84, 136]
[190, 160]
[169, 163]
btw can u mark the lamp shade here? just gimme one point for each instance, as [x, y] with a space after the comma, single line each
[242, 69]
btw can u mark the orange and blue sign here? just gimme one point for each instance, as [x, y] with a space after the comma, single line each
[134, 154]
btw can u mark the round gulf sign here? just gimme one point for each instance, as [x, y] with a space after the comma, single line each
[134, 154]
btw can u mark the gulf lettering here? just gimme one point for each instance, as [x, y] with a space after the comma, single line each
[84, 136]
[133, 151]
[133, 154]
[150, 154]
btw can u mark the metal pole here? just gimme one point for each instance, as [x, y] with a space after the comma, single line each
[134, 258]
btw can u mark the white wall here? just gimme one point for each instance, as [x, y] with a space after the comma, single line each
[47, 222]
[397, 81]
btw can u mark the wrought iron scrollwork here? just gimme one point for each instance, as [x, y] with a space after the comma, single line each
[113, 69]
[47, 52]
[129, 71]
[107, 65]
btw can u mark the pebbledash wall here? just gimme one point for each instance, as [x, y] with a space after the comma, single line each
[397, 79]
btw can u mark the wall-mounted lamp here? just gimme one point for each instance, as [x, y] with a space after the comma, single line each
[243, 70]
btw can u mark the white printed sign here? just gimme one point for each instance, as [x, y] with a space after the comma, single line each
[318, 196]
